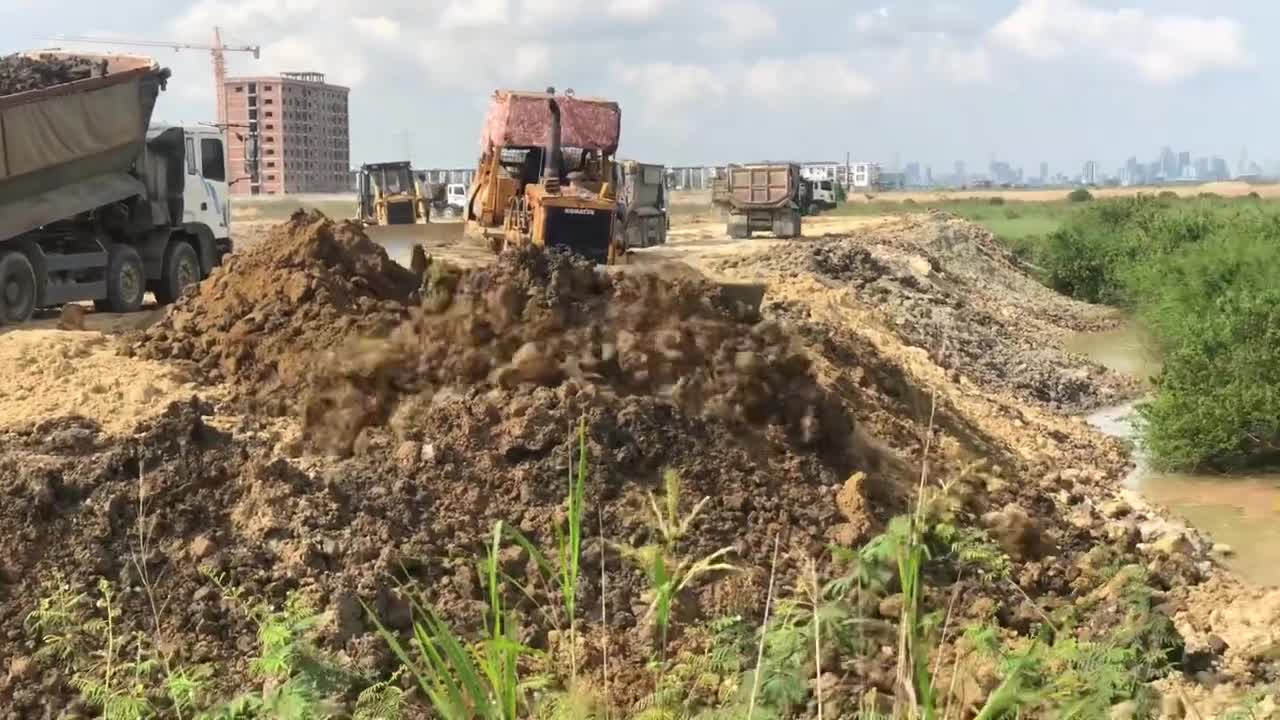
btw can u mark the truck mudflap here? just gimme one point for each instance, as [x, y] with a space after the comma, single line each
[66, 201]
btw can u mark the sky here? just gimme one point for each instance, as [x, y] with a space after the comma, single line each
[711, 81]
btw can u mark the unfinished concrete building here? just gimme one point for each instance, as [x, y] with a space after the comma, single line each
[303, 126]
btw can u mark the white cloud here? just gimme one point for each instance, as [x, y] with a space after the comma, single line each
[529, 62]
[737, 23]
[474, 13]
[637, 10]
[868, 21]
[671, 94]
[376, 28]
[1162, 48]
[824, 79]
[962, 66]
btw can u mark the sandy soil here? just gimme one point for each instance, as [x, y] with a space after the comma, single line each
[49, 374]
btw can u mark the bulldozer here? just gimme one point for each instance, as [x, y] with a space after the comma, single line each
[545, 176]
[389, 194]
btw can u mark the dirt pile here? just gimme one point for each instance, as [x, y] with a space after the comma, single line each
[550, 320]
[460, 418]
[947, 286]
[20, 73]
[259, 321]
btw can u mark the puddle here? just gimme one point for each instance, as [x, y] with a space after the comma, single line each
[1242, 511]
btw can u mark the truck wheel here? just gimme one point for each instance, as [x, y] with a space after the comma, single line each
[181, 268]
[452, 211]
[126, 282]
[17, 288]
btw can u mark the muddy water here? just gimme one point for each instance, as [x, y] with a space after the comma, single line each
[1242, 511]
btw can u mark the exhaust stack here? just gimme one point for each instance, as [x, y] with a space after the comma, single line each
[551, 165]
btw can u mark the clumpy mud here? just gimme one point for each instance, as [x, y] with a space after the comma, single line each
[375, 423]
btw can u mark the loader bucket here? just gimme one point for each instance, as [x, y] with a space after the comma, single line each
[744, 297]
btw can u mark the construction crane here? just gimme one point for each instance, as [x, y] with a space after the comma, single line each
[217, 49]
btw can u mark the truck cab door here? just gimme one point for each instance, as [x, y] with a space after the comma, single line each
[206, 195]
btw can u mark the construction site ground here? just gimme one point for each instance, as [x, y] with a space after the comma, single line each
[315, 419]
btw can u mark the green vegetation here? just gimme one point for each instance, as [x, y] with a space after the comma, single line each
[1079, 195]
[1203, 275]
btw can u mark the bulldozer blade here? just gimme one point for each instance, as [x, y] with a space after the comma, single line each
[746, 296]
[399, 240]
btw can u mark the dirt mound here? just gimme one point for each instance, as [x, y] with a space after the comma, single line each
[260, 320]
[546, 320]
[19, 73]
[946, 286]
[460, 418]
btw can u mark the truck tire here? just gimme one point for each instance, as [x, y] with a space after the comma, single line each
[17, 288]
[181, 268]
[126, 281]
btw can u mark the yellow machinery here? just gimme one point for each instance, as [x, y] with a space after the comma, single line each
[544, 175]
[389, 194]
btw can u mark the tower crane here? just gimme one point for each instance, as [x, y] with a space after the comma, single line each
[217, 50]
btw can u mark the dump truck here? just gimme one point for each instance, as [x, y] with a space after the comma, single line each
[390, 193]
[766, 197]
[546, 173]
[642, 204]
[95, 204]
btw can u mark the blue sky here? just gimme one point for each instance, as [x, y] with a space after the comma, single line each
[717, 80]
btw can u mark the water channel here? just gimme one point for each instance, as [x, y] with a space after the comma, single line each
[1242, 511]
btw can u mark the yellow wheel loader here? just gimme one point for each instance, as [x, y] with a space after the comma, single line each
[389, 194]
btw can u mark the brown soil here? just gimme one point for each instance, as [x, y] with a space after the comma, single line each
[265, 315]
[19, 73]
[419, 414]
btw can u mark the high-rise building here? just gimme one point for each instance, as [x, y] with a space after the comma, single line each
[1202, 168]
[1089, 176]
[962, 178]
[1219, 169]
[1168, 163]
[928, 175]
[1044, 172]
[303, 129]
[1184, 163]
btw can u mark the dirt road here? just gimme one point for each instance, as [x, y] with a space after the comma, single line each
[356, 428]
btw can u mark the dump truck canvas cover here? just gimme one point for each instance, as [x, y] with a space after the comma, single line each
[520, 119]
[45, 128]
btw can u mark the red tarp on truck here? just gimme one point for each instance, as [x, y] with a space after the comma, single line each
[522, 119]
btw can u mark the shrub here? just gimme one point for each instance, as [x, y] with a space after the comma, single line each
[908, 201]
[1168, 195]
[1214, 310]
[1253, 195]
[1080, 195]
[1012, 214]
[995, 200]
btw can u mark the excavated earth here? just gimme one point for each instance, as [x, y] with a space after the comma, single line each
[21, 73]
[371, 426]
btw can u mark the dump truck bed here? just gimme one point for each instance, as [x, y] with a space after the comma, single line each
[69, 148]
[758, 187]
[522, 119]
